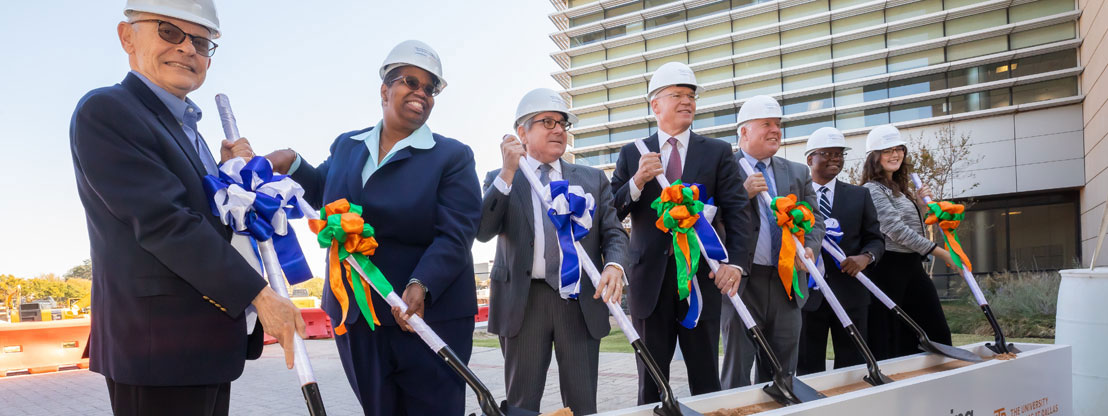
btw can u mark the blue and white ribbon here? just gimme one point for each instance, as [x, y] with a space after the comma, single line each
[571, 211]
[834, 235]
[715, 250]
[254, 202]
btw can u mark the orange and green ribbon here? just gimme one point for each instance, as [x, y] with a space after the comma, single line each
[678, 209]
[344, 233]
[795, 219]
[949, 216]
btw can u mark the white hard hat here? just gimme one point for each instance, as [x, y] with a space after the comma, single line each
[883, 137]
[670, 74]
[414, 53]
[201, 12]
[823, 138]
[758, 107]
[541, 100]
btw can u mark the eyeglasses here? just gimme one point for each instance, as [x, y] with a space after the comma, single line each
[549, 123]
[830, 155]
[169, 32]
[413, 83]
[681, 96]
[894, 150]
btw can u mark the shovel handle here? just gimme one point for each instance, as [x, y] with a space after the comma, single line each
[277, 282]
[838, 254]
[966, 274]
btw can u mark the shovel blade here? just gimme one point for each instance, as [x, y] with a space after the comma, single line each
[515, 411]
[680, 410]
[949, 351]
[788, 390]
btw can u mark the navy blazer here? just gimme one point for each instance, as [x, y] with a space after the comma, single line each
[708, 162]
[853, 208]
[168, 290]
[424, 205]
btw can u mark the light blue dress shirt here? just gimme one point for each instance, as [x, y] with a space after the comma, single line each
[419, 139]
[763, 251]
[187, 114]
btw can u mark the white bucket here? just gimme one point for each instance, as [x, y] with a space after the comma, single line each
[1083, 323]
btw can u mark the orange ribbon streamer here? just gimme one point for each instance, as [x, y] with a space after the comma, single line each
[795, 220]
[351, 225]
[949, 216]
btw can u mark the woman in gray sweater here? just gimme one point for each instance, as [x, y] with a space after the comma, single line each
[900, 272]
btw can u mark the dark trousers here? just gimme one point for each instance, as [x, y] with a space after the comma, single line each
[127, 399]
[661, 333]
[902, 278]
[393, 372]
[813, 338]
[550, 321]
[775, 313]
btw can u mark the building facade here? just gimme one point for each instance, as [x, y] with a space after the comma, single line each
[1013, 75]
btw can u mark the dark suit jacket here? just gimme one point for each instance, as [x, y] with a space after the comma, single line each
[853, 208]
[424, 205]
[168, 290]
[708, 162]
[511, 217]
[790, 178]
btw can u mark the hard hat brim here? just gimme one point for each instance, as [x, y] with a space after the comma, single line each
[176, 14]
[388, 68]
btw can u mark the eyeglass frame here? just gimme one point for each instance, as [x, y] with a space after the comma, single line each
[434, 86]
[566, 124]
[694, 96]
[192, 38]
[890, 151]
[828, 155]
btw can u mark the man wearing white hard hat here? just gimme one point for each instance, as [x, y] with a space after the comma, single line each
[170, 294]
[851, 221]
[900, 274]
[539, 301]
[420, 193]
[771, 300]
[661, 316]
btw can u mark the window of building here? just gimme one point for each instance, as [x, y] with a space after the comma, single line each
[709, 9]
[1046, 90]
[916, 60]
[622, 10]
[728, 136]
[663, 20]
[917, 85]
[586, 19]
[755, 21]
[626, 50]
[839, 4]
[716, 96]
[627, 112]
[593, 118]
[914, 9]
[627, 91]
[707, 54]
[575, 3]
[976, 22]
[1043, 35]
[866, 20]
[803, 10]
[981, 100]
[807, 56]
[756, 44]
[587, 78]
[629, 133]
[977, 74]
[654, 64]
[587, 38]
[915, 34]
[858, 46]
[807, 103]
[860, 70]
[666, 41]
[1041, 8]
[590, 138]
[750, 89]
[1044, 63]
[588, 58]
[863, 94]
[805, 127]
[599, 157]
[710, 31]
[714, 74]
[977, 48]
[758, 66]
[860, 119]
[715, 118]
[652, 3]
[918, 110]
[808, 80]
[624, 71]
[590, 98]
[805, 33]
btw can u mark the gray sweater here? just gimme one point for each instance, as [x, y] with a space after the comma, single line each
[901, 221]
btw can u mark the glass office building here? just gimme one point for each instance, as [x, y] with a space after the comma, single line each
[1008, 73]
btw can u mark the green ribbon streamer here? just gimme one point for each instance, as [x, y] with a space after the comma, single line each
[798, 223]
[685, 270]
[938, 212]
[333, 232]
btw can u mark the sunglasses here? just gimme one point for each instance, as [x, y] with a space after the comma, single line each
[169, 32]
[549, 123]
[413, 84]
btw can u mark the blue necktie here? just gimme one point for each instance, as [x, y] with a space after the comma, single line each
[775, 231]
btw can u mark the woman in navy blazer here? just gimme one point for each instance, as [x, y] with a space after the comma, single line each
[419, 190]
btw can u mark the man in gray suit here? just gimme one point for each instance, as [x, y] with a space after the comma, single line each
[774, 304]
[535, 303]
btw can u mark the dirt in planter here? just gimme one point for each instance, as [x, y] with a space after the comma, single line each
[767, 406]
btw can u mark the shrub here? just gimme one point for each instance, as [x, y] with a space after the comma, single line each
[1024, 304]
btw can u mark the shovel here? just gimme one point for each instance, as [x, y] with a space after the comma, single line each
[925, 343]
[1001, 346]
[785, 389]
[669, 405]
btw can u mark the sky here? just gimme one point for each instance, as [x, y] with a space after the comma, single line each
[297, 73]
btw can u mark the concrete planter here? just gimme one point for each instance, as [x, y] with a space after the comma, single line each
[1083, 323]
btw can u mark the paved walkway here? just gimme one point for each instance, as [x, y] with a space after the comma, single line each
[267, 388]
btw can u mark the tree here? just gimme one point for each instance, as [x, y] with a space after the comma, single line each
[83, 271]
[936, 161]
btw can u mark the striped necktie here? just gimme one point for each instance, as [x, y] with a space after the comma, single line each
[824, 202]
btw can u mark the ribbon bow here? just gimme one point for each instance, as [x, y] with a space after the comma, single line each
[834, 234]
[795, 219]
[678, 210]
[571, 211]
[249, 198]
[949, 216]
[344, 233]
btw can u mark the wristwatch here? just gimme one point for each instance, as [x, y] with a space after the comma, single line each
[872, 258]
[415, 281]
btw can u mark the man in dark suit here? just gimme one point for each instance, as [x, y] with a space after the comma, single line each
[849, 215]
[773, 304]
[656, 309]
[169, 332]
[532, 307]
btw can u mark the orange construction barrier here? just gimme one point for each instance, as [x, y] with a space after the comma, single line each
[317, 325]
[482, 314]
[42, 347]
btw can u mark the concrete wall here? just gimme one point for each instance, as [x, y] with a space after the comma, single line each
[1093, 55]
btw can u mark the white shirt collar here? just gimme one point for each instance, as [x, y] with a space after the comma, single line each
[557, 165]
[830, 187]
[682, 137]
